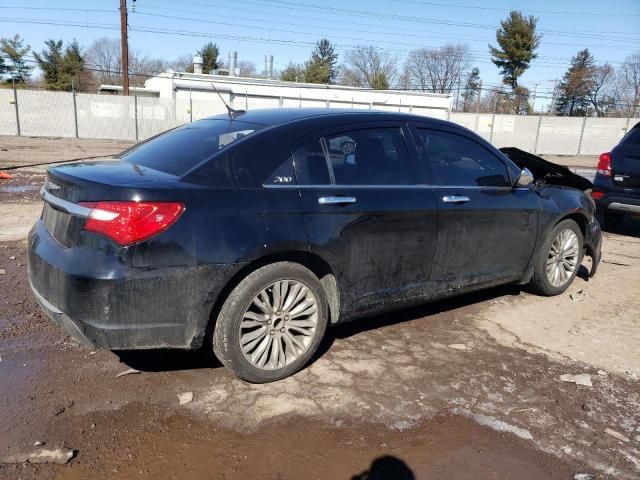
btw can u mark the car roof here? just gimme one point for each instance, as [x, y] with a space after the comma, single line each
[278, 116]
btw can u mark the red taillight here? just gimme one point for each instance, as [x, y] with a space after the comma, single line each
[597, 195]
[130, 222]
[604, 164]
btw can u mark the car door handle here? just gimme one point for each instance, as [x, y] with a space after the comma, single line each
[331, 200]
[455, 199]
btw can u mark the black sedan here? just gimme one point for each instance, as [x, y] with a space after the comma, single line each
[257, 230]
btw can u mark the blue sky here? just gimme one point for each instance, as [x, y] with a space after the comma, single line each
[288, 28]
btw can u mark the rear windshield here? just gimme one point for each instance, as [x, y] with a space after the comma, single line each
[633, 137]
[178, 151]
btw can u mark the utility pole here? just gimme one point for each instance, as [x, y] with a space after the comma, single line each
[458, 92]
[124, 47]
[552, 107]
[533, 103]
[479, 95]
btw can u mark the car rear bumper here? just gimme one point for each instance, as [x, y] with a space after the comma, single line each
[616, 198]
[104, 302]
[620, 204]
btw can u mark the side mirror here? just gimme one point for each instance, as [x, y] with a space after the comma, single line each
[525, 179]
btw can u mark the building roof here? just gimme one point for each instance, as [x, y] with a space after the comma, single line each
[208, 78]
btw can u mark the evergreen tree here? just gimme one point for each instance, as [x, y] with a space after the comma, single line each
[517, 42]
[380, 81]
[15, 49]
[471, 88]
[321, 68]
[210, 53]
[575, 89]
[520, 101]
[50, 62]
[62, 69]
[293, 72]
[74, 74]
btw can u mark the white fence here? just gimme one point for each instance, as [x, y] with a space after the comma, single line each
[62, 114]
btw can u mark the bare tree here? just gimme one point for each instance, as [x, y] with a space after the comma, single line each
[437, 70]
[103, 56]
[181, 63]
[247, 68]
[631, 78]
[367, 66]
[601, 88]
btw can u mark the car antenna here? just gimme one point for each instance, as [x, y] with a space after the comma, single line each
[233, 113]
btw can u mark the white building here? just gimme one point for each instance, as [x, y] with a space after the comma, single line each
[196, 92]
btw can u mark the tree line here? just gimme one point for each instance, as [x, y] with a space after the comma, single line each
[586, 88]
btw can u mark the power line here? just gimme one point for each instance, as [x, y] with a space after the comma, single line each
[390, 16]
[503, 9]
[245, 38]
[324, 27]
[77, 9]
[299, 32]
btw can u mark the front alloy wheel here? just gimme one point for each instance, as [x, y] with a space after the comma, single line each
[563, 258]
[557, 260]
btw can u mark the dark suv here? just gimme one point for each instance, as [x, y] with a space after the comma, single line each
[616, 188]
[257, 230]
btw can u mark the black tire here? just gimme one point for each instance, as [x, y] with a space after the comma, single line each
[226, 333]
[609, 220]
[540, 283]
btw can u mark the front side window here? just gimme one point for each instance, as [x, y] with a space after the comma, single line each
[377, 156]
[455, 160]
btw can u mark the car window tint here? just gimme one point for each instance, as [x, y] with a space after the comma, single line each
[311, 164]
[370, 157]
[456, 160]
[181, 149]
[362, 157]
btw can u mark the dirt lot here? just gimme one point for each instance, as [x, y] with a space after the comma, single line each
[465, 388]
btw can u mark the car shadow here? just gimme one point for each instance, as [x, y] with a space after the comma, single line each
[169, 360]
[165, 360]
[172, 360]
[360, 325]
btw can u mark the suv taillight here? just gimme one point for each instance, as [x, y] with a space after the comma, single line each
[131, 222]
[604, 164]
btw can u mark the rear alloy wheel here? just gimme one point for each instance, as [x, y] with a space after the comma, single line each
[558, 260]
[279, 324]
[272, 323]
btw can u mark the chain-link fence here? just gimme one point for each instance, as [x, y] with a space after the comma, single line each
[63, 114]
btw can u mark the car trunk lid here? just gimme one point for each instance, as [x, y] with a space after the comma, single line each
[66, 186]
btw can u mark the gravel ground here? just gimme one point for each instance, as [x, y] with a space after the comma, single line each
[469, 388]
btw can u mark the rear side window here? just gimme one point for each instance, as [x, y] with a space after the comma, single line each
[376, 156]
[458, 161]
[181, 149]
